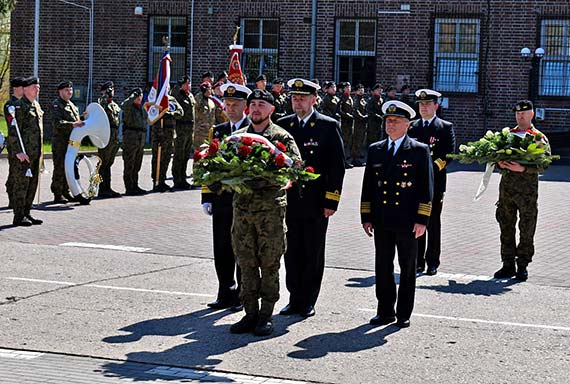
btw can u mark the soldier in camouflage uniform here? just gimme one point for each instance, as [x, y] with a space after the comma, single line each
[258, 230]
[184, 130]
[108, 153]
[17, 84]
[346, 108]
[330, 102]
[280, 100]
[162, 134]
[221, 115]
[360, 119]
[374, 131]
[205, 114]
[64, 116]
[29, 117]
[518, 193]
[134, 137]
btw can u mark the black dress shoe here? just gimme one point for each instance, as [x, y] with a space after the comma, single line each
[140, 191]
[403, 323]
[431, 271]
[247, 324]
[288, 310]
[220, 304]
[420, 269]
[68, 196]
[105, 194]
[382, 320]
[34, 221]
[58, 199]
[522, 274]
[348, 166]
[308, 311]
[506, 271]
[183, 186]
[162, 187]
[236, 307]
[22, 222]
[264, 326]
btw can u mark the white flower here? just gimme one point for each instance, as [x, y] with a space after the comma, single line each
[506, 131]
[489, 134]
[463, 148]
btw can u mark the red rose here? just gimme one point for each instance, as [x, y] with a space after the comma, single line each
[197, 155]
[244, 150]
[310, 169]
[214, 147]
[280, 146]
[247, 140]
[280, 160]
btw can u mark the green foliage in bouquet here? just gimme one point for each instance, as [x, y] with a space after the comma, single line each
[528, 149]
[245, 164]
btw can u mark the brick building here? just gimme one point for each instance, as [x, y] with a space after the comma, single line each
[468, 50]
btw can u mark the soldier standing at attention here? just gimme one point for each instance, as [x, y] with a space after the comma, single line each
[374, 110]
[359, 134]
[518, 193]
[108, 153]
[134, 137]
[29, 116]
[217, 98]
[205, 114]
[439, 136]
[184, 131]
[261, 82]
[64, 116]
[394, 208]
[330, 102]
[219, 206]
[311, 203]
[280, 100]
[346, 119]
[17, 84]
[258, 229]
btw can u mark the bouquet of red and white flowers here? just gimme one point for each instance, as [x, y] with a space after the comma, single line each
[240, 161]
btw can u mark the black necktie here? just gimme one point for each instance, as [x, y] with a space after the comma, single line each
[391, 152]
[233, 128]
[302, 124]
[426, 124]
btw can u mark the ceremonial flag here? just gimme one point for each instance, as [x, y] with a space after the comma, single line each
[235, 75]
[157, 102]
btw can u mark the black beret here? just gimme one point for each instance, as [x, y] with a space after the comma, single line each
[359, 86]
[64, 84]
[106, 85]
[184, 79]
[207, 74]
[30, 81]
[259, 94]
[278, 81]
[523, 105]
[222, 76]
[328, 84]
[391, 88]
[404, 87]
[136, 92]
[377, 86]
[205, 86]
[17, 82]
[260, 78]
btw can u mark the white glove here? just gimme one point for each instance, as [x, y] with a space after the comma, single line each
[207, 207]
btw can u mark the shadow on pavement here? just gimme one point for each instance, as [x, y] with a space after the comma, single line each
[476, 287]
[366, 282]
[205, 339]
[358, 339]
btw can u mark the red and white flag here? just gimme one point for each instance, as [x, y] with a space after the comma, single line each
[157, 101]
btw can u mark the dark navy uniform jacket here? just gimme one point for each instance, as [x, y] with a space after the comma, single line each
[321, 147]
[440, 138]
[396, 196]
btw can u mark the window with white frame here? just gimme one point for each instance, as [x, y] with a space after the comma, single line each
[260, 39]
[175, 29]
[355, 51]
[555, 65]
[456, 55]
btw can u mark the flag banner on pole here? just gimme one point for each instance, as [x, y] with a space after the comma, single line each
[235, 75]
[157, 101]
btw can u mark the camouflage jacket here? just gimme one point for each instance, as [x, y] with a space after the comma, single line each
[279, 103]
[63, 115]
[188, 103]
[29, 118]
[134, 116]
[267, 197]
[205, 112]
[12, 101]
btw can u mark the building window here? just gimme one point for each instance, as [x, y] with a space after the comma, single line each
[260, 39]
[456, 55]
[355, 51]
[175, 29]
[555, 65]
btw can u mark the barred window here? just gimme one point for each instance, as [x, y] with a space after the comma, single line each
[355, 51]
[260, 39]
[456, 55]
[555, 66]
[176, 30]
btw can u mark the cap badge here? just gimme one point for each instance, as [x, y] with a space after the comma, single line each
[423, 95]
[518, 107]
[392, 108]
[299, 83]
[231, 90]
[257, 93]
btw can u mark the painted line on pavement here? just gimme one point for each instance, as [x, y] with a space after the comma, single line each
[19, 355]
[193, 374]
[541, 326]
[106, 246]
[111, 287]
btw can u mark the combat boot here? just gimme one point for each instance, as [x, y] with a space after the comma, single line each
[21, 221]
[507, 271]
[34, 221]
[246, 324]
[522, 273]
[264, 326]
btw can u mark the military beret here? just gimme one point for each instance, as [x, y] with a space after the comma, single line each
[222, 75]
[316, 81]
[218, 84]
[377, 86]
[30, 81]
[235, 91]
[106, 85]
[398, 108]
[207, 74]
[184, 79]
[261, 78]
[205, 86]
[426, 94]
[302, 87]
[328, 84]
[64, 84]
[278, 81]
[259, 94]
[17, 82]
[136, 92]
[523, 105]
[404, 87]
[358, 86]
[391, 88]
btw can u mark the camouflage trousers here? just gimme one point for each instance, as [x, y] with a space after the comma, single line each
[182, 152]
[200, 134]
[347, 130]
[258, 240]
[24, 188]
[107, 156]
[358, 137]
[133, 151]
[59, 184]
[520, 198]
[166, 141]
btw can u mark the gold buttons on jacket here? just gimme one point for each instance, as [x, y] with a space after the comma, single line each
[384, 202]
